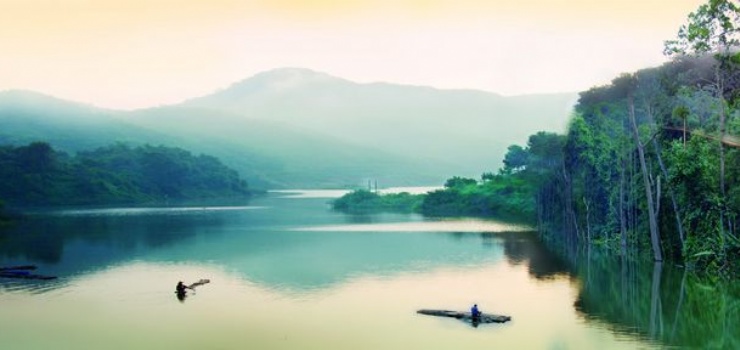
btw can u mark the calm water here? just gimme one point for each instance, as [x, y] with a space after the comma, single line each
[288, 273]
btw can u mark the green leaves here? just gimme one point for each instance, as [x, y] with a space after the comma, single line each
[713, 28]
[364, 202]
[38, 175]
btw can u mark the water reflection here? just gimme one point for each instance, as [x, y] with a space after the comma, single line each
[659, 301]
[266, 243]
[297, 249]
[532, 253]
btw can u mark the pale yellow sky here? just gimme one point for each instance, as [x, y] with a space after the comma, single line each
[140, 53]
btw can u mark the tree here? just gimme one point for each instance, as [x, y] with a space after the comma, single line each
[714, 28]
[516, 159]
[629, 83]
[458, 182]
[37, 157]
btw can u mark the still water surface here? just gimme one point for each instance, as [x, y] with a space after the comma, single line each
[288, 273]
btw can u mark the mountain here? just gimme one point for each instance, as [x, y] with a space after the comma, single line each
[267, 154]
[467, 130]
[281, 155]
[301, 128]
[27, 116]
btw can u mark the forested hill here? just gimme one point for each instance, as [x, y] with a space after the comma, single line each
[463, 132]
[650, 163]
[298, 128]
[37, 175]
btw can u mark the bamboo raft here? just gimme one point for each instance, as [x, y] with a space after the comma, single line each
[199, 283]
[466, 316]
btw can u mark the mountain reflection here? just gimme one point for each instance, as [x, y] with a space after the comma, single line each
[260, 245]
[269, 246]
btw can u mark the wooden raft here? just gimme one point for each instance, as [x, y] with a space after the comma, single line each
[465, 316]
[199, 283]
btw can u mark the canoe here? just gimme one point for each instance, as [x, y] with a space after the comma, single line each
[25, 275]
[466, 316]
[16, 268]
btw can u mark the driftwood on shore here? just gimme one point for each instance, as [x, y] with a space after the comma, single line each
[466, 316]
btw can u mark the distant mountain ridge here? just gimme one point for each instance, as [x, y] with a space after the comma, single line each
[300, 128]
[469, 128]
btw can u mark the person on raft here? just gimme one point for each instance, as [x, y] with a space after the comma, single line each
[180, 289]
[475, 313]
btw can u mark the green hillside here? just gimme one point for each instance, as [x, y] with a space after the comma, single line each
[299, 128]
[38, 175]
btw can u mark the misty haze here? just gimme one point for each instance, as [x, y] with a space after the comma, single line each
[369, 175]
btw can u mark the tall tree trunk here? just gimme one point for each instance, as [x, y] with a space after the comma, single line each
[671, 194]
[538, 205]
[722, 132]
[588, 223]
[570, 211]
[653, 220]
[684, 131]
[658, 155]
[622, 218]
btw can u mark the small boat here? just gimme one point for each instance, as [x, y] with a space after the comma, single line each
[25, 275]
[466, 316]
[24, 272]
[18, 268]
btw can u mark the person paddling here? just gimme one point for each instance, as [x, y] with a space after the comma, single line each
[475, 313]
[180, 289]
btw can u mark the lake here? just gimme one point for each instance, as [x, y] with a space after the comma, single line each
[286, 272]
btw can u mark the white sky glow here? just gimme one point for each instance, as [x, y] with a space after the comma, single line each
[133, 53]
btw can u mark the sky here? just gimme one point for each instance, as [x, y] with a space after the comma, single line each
[128, 54]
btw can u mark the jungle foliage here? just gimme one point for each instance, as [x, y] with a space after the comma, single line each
[650, 163]
[507, 195]
[364, 201]
[38, 175]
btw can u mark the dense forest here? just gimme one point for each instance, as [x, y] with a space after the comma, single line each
[510, 194]
[38, 175]
[649, 162]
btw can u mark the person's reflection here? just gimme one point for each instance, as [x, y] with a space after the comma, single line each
[475, 316]
[181, 296]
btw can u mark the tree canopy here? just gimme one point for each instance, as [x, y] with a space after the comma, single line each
[36, 174]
